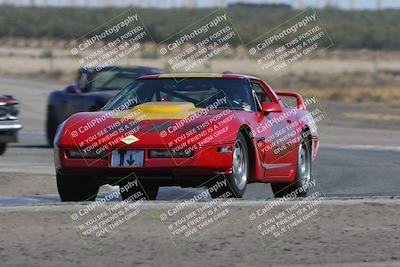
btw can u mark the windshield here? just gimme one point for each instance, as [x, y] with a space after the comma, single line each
[202, 92]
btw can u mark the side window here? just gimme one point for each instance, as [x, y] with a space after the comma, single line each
[260, 93]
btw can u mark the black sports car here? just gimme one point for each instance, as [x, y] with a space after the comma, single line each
[9, 123]
[93, 89]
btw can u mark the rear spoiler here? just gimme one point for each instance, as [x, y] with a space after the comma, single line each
[299, 98]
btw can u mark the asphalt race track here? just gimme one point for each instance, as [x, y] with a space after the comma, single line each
[340, 171]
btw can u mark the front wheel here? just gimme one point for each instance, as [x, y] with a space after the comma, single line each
[235, 183]
[73, 188]
[303, 174]
[3, 148]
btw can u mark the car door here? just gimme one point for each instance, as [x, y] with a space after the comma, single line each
[273, 141]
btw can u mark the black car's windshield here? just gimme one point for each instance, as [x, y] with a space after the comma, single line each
[202, 92]
[105, 80]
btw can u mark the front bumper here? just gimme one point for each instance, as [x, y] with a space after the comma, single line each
[8, 131]
[206, 162]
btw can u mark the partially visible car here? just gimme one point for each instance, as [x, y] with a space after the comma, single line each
[93, 89]
[9, 122]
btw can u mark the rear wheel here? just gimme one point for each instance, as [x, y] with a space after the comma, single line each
[129, 191]
[73, 188]
[3, 148]
[303, 174]
[235, 184]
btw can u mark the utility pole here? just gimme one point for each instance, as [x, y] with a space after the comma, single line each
[379, 4]
[300, 4]
[328, 3]
[190, 3]
[143, 3]
[352, 4]
[108, 3]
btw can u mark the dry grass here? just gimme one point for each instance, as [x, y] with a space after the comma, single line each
[390, 95]
[322, 61]
[372, 116]
[337, 75]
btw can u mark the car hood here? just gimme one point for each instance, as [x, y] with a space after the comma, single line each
[158, 124]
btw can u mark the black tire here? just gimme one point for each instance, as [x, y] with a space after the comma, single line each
[51, 126]
[150, 192]
[3, 148]
[73, 188]
[283, 189]
[233, 185]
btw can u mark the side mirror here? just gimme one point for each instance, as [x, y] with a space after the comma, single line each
[268, 107]
[73, 89]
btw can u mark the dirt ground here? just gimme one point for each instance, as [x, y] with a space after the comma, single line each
[19, 184]
[355, 233]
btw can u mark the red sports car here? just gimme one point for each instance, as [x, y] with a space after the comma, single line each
[221, 131]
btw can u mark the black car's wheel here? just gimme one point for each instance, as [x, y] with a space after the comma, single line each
[51, 126]
[130, 192]
[3, 148]
[73, 188]
[303, 173]
[235, 183]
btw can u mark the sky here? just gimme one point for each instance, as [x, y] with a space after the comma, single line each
[360, 4]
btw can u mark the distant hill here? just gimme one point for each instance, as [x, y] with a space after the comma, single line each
[348, 29]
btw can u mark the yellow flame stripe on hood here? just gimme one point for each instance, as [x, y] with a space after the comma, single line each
[159, 111]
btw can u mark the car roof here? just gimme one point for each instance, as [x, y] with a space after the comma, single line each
[199, 75]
